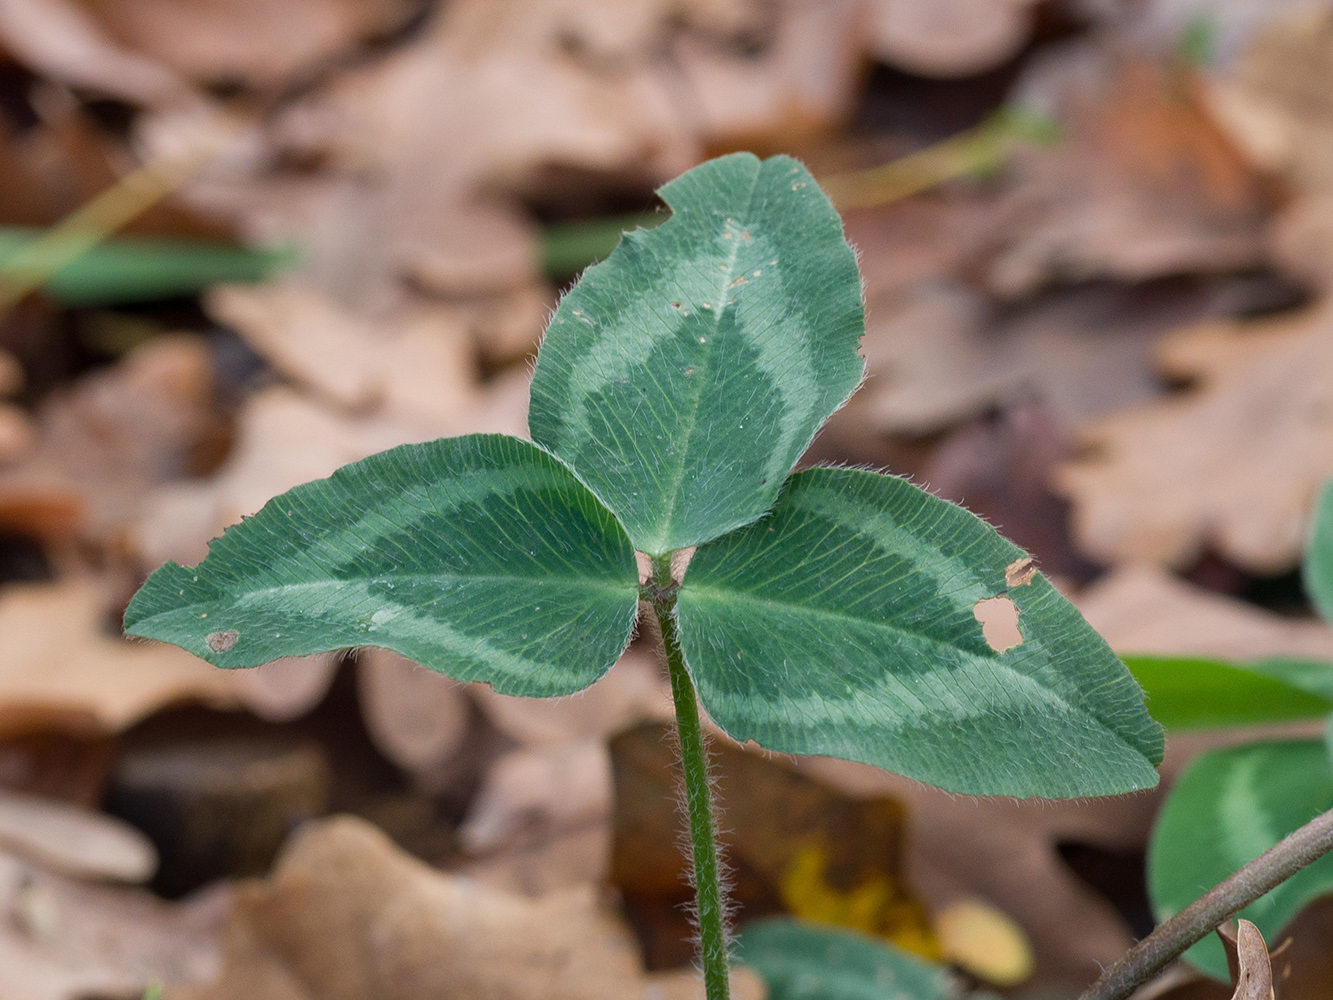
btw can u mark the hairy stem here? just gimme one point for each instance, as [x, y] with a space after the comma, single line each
[698, 796]
[1222, 901]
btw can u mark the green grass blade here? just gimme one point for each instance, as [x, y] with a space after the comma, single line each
[843, 624]
[803, 961]
[139, 269]
[683, 377]
[1196, 693]
[1225, 810]
[481, 557]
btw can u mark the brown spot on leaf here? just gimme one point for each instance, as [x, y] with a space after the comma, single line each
[999, 623]
[1020, 572]
[220, 642]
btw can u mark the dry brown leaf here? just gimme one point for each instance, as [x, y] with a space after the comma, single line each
[792, 843]
[284, 439]
[61, 40]
[346, 916]
[253, 41]
[60, 667]
[1232, 464]
[76, 842]
[61, 939]
[100, 446]
[1142, 184]
[1146, 611]
[948, 38]
[1004, 852]
[938, 354]
[632, 691]
[1251, 968]
[798, 87]
[418, 719]
[1275, 103]
[541, 821]
[419, 363]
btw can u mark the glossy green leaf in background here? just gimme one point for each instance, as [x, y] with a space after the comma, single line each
[481, 557]
[804, 961]
[683, 377]
[1225, 810]
[843, 624]
[1317, 569]
[1195, 693]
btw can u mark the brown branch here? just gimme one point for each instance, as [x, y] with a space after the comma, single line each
[1221, 902]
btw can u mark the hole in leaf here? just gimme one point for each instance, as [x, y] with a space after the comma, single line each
[999, 623]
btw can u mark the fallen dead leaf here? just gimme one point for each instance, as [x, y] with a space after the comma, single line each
[983, 941]
[1275, 104]
[1252, 970]
[62, 40]
[949, 38]
[346, 916]
[539, 795]
[73, 841]
[1232, 464]
[419, 719]
[284, 439]
[1142, 184]
[632, 691]
[421, 363]
[102, 445]
[1146, 611]
[792, 843]
[940, 353]
[261, 44]
[61, 668]
[62, 939]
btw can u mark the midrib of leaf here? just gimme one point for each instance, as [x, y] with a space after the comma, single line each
[996, 662]
[693, 416]
[352, 581]
[736, 597]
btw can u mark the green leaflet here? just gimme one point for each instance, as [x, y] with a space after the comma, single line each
[1225, 810]
[843, 625]
[1198, 693]
[683, 377]
[1318, 567]
[479, 556]
[802, 961]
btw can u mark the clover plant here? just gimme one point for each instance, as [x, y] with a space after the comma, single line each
[831, 611]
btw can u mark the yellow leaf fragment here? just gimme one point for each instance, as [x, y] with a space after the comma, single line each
[983, 941]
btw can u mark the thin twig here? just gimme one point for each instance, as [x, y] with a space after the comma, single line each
[1223, 901]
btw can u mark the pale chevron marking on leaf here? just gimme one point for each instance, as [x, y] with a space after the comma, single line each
[843, 624]
[479, 556]
[683, 377]
[1244, 799]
